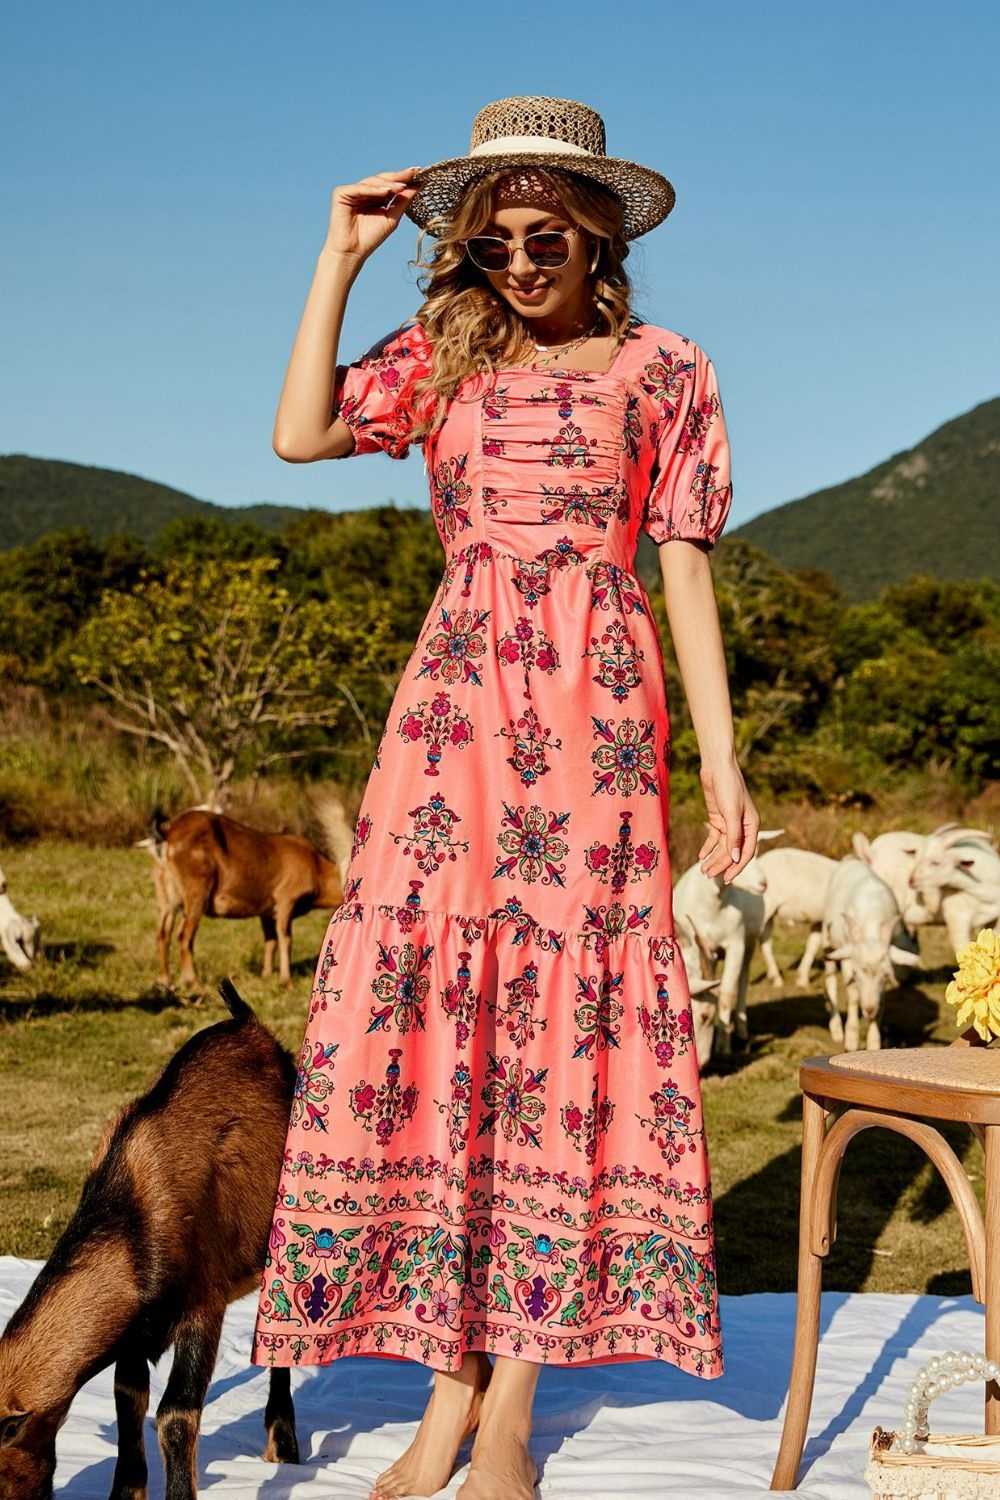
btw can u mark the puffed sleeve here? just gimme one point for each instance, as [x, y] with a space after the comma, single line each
[691, 487]
[371, 394]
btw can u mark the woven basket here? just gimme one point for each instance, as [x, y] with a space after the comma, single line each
[946, 1466]
[969, 1471]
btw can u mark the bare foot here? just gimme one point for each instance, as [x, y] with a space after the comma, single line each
[451, 1414]
[501, 1468]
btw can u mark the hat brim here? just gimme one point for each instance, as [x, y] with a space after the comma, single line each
[646, 196]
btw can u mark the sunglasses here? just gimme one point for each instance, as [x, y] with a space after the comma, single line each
[547, 249]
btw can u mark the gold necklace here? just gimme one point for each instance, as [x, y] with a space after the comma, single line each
[563, 349]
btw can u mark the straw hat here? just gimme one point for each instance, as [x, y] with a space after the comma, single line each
[535, 130]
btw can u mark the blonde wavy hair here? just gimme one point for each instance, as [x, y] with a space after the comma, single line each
[475, 331]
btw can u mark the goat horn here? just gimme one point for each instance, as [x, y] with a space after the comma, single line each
[958, 835]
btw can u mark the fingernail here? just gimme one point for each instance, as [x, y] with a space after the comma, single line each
[736, 854]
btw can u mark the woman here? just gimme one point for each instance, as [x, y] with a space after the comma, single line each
[497, 1143]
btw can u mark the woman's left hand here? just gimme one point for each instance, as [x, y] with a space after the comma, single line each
[734, 821]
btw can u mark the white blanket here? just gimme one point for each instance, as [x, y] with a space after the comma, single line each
[632, 1431]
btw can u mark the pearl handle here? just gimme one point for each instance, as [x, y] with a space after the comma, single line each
[941, 1373]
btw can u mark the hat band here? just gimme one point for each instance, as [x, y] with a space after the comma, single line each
[503, 144]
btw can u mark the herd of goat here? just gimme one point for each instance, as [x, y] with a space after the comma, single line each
[862, 912]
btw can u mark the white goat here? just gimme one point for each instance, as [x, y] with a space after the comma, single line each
[958, 873]
[703, 1005]
[19, 936]
[711, 916]
[796, 884]
[944, 878]
[861, 924]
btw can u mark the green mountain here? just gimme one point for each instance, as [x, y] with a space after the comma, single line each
[39, 495]
[932, 509]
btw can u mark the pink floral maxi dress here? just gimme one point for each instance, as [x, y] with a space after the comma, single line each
[497, 1139]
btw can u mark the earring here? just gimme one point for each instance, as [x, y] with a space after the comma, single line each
[593, 263]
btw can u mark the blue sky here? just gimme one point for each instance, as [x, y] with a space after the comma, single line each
[168, 174]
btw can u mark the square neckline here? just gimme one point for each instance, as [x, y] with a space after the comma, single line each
[558, 370]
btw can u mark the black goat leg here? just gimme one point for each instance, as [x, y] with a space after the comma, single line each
[178, 1416]
[131, 1403]
[279, 1419]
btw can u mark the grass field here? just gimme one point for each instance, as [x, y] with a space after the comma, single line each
[87, 1028]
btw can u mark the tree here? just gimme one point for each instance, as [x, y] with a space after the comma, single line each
[219, 664]
[47, 589]
[197, 537]
[776, 628]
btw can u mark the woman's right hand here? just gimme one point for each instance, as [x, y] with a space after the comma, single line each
[361, 215]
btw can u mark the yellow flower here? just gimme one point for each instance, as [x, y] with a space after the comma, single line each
[975, 989]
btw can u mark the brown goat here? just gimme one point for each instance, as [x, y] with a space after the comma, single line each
[208, 865]
[172, 1225]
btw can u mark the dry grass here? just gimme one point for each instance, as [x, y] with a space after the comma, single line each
[65, 775]
[87, 1028]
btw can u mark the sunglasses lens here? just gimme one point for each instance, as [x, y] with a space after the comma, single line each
[489, 254]
[547, 250]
